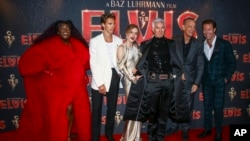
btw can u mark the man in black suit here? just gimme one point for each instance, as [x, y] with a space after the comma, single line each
[220, 65]
[190, 52]
[156, 65]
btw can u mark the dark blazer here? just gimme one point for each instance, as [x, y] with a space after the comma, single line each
[194, 65]
[221, 65]
[192, 68]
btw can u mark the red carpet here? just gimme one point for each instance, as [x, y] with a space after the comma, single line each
[8, 136]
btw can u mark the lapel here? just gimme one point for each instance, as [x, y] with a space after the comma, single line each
[102, 43]
[104, 48]
[192, 48]
[179, 48]
[116, 43]
[146, 50]
[143, 58]
[216, 48]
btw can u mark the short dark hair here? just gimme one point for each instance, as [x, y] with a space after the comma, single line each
[209, 21]
[187, 19]
[105, 16]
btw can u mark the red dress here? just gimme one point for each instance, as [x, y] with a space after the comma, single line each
[54, 76]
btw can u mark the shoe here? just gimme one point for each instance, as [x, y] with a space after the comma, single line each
[138, 139]
[151, 138]
[110, 137]
[73, 135]
[218, 137]
[171, 131]
[185, 136]
[204, 134]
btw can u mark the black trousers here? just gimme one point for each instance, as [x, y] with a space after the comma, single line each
[185, 96]
[97, 102]
[158, 92]
[185, 126]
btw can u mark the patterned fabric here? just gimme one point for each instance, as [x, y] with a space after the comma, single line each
[222, 64]
[220, 68]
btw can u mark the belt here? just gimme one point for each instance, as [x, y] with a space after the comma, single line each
[159, 76]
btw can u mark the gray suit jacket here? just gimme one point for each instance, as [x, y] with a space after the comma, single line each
[192, 67]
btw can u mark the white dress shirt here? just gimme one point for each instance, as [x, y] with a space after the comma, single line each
[209, 50]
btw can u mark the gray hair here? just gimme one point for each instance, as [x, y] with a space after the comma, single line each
[158, 20]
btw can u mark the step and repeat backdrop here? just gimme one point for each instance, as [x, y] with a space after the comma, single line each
[21, 21]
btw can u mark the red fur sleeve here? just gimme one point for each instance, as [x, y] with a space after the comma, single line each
[33, 60]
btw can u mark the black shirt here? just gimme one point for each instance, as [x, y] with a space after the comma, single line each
[159, 56]
[186, 48]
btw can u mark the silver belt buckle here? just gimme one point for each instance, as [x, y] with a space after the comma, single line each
[163, 76]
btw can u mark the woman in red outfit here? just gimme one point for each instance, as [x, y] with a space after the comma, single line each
[54, 74]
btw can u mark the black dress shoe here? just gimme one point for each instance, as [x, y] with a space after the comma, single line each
[204, 134]
[110, 137]
[185, 136]
[218, 137]
[171, 131]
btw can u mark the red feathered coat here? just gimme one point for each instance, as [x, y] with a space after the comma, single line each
[54, 76]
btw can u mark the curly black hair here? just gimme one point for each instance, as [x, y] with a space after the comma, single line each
[53, 28]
